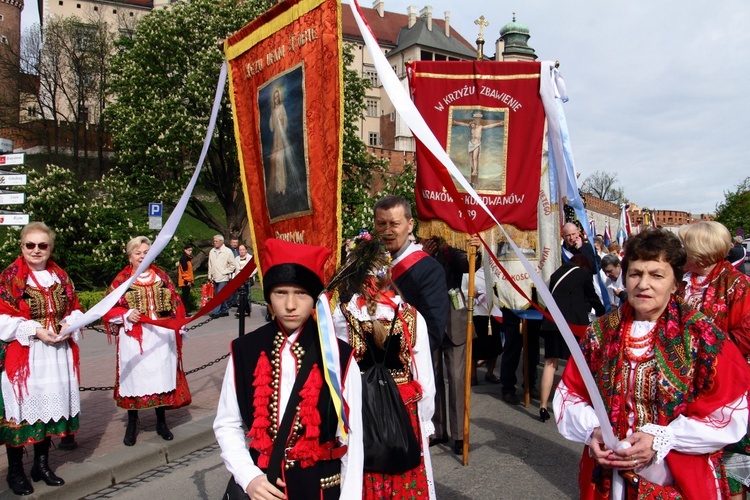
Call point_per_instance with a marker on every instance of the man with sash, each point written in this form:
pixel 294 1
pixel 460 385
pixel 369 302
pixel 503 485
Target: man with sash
pixel 274 386
pixel 418 277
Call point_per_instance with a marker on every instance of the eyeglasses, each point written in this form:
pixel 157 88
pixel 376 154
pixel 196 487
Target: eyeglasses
pixel 31 246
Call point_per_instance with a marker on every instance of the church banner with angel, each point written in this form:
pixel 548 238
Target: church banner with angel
pixel 285 75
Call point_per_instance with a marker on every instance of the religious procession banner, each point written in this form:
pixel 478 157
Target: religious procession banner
pixel 490 119
pixel 285 82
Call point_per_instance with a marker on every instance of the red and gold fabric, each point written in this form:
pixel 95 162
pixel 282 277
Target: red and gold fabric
pixel 286 81
pixel 724 296
pixel 489 118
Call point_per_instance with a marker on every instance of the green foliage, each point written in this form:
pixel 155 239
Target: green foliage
pixel 734 211
pixel 360 168
pixel 90 298
pixel 93 221
pixel 165 78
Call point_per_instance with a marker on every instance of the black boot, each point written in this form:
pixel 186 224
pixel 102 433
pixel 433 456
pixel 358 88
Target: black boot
pixel 40 470
pixel 132 430
pixel 161 425
pixel 68 443
pixel 17 480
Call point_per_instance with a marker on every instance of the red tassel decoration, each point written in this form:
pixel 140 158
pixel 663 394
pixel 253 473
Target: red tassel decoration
pixel 306 447
pixel 260 440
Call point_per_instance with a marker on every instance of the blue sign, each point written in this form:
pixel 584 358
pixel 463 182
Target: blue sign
pixel 154 209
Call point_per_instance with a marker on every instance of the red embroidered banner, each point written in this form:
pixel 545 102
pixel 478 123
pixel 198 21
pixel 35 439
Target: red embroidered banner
pixel 489 118
pixel 285 82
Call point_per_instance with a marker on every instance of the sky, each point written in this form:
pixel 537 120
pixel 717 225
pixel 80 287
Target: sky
pixel 655 87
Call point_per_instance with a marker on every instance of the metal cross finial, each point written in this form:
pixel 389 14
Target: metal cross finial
pixel 481 22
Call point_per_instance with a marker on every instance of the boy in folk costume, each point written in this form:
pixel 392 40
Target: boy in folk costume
pixel 261 384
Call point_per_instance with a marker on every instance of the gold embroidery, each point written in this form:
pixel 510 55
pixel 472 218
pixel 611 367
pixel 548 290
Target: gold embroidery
pixel 358 329
pixel 143 298
pixel 38 305
pixel 644 391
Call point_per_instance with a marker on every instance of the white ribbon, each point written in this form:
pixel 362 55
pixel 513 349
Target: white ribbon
pixel 414 120
pixel 167 232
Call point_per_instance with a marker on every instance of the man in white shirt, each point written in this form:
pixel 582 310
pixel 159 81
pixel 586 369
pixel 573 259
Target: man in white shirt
pixel 278 368
pixel 220 268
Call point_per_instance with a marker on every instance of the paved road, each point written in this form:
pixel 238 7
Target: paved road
pixel 513 456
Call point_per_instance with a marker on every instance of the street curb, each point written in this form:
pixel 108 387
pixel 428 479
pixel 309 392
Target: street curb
pixel 105 471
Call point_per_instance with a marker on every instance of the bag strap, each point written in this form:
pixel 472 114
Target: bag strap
pixel 562 278
pixel 277 452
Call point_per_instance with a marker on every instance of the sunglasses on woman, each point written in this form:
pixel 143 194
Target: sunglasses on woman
pixel 31 246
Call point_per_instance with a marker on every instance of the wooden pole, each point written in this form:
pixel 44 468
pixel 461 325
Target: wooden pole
pixel 472 254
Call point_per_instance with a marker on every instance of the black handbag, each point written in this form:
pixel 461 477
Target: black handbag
pixel 390 445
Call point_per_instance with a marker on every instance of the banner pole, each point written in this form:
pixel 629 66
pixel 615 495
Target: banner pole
pixel 469 334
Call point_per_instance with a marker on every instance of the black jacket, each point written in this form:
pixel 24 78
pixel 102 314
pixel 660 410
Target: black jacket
pixel 575 295
pixel 423 286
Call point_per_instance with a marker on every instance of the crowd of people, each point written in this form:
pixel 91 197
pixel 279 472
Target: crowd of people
pixel 670 360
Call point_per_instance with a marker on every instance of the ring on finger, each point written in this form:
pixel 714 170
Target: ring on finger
pixel 635 462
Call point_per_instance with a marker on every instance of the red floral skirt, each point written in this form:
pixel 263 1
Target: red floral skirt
pixel 411 484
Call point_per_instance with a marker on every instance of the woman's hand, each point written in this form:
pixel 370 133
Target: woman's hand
pixel 260 488
pixel 639 454
pixel 46 336
pixel 602 455
pixel 134 317
pixel 64 334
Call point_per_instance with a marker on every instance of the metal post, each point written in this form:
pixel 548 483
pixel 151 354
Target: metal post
pixel 242 298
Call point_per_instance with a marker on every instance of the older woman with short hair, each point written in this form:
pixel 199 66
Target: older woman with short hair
pixel 673 386
pixel 39 357
pixel 715 288
pixel 149 356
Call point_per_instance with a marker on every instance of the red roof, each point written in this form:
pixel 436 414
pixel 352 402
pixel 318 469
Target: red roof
pixel 139 3
pixel 386 28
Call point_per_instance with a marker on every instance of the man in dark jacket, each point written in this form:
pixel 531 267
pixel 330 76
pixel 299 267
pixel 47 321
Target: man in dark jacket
pixel 573 244
pixel 420 280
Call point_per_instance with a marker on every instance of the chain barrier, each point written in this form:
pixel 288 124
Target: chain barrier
pixel 210 363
